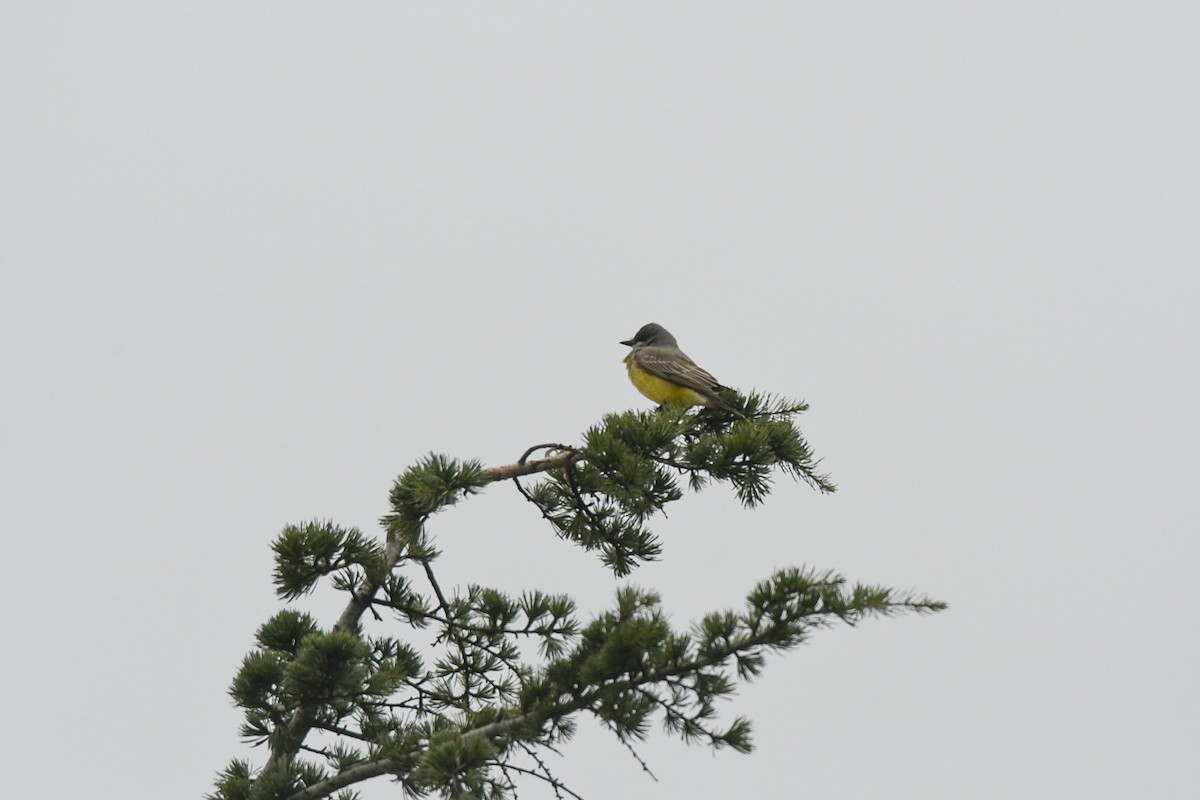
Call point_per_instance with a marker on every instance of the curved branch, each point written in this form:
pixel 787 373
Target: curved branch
pixel 355 774
pixel 565 456
pixel 362 598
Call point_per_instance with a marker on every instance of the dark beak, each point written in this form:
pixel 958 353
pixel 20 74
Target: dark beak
pixel 628 342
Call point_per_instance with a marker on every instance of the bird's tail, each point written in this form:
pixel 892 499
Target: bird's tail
pixel 715 400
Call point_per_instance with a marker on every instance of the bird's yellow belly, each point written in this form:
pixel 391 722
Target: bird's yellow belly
pixel 661 391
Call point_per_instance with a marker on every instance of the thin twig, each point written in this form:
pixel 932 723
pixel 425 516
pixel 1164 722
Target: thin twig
pixel 550 779
pixel 638 758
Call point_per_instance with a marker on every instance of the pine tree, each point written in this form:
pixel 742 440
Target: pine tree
pixel 507 677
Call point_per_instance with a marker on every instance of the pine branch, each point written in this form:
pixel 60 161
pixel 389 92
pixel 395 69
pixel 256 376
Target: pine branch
pixel 361 599
pixel 542 775
pixel 356 774
pixel 780 611
pixel 565 457
pixel 626 667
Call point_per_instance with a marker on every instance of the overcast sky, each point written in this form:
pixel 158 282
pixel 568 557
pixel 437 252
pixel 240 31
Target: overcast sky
pixel 259 257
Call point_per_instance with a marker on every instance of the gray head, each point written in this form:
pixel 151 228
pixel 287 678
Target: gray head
pixel 651 335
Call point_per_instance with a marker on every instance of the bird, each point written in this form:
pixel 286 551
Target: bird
pixel 664 373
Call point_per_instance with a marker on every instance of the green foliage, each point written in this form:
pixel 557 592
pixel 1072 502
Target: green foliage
pixel 305 553
pixel 427 487
pixel 234 782
pixel 629 663
pixel 286 630
pixel 633 462
pixel 484 681
pixel 456 762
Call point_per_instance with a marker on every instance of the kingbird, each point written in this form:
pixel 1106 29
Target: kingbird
pixel 664 373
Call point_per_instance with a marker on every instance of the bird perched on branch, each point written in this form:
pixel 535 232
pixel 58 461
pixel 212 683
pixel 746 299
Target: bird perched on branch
pixel 664 373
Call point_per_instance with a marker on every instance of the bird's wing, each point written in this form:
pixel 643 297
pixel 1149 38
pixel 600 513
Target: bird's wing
pixel 672 365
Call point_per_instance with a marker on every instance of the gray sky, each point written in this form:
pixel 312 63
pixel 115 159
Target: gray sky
pixel 257 258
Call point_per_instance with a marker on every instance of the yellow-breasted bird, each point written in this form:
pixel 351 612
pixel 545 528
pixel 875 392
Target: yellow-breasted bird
pixel 664 373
